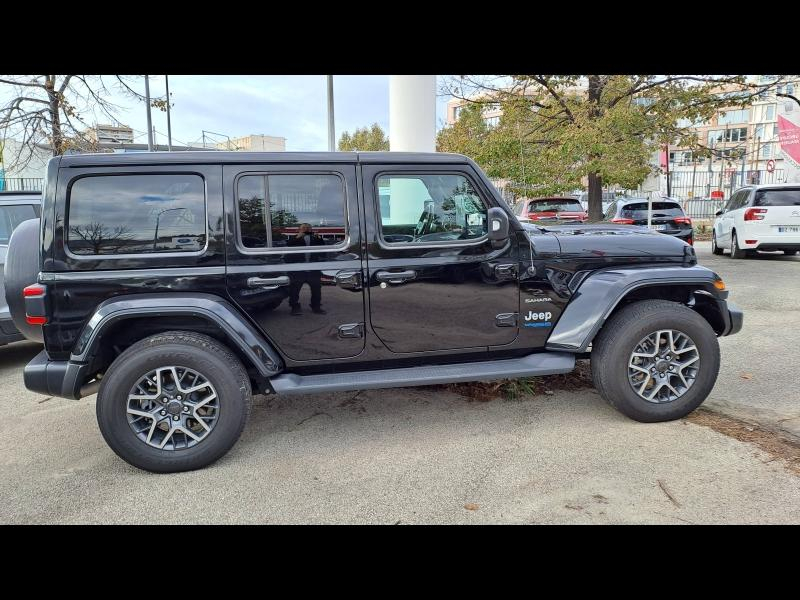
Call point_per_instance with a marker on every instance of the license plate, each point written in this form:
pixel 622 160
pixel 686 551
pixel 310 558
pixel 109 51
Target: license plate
pixel 788 229
pixel 658 227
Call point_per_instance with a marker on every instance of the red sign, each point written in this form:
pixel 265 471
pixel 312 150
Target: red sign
pixel 770 165
pixel 789 135
pixel 717 194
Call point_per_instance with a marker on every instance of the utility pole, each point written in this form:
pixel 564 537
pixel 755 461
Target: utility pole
pixel 169 123
pixel 149 118
pixel 331 128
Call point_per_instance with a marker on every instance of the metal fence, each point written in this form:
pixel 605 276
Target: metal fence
pixel 21 184
pixel 700 184
pixel 702 208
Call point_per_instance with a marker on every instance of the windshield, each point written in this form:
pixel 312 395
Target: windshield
pixel 540 206
pixel 660 209
pixel 790 197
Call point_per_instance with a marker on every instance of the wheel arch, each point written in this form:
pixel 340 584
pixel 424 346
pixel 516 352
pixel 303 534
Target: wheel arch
pixel 604 293
pixel 122 321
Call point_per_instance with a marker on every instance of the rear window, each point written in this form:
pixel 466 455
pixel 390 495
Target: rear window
pixel 538 206
pixel 11 216
pixel 783 197
pixel 639 210
pixel 137 214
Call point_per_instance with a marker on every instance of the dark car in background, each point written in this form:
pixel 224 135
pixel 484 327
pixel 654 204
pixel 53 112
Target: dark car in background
pixel 15 207
pixel 551 209
pixel 668 216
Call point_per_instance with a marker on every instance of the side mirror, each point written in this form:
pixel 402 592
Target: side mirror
pixel 498 224
pixel 719 212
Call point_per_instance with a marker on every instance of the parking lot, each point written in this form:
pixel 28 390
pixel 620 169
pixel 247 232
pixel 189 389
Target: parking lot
pixel 432 456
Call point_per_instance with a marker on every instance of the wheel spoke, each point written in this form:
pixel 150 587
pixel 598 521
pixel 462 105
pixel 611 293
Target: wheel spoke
pixel 169 408
pixel 658 358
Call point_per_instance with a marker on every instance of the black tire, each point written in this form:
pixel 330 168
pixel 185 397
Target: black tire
pixel 191 350
pixel 737 252
pixel 714 248
pixel 790 252
pixel 21 270
pixel 611 351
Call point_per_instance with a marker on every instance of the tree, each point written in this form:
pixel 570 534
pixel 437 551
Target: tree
pixel 52 110
pixel 99 237
pixel 364 139
pixel 557 130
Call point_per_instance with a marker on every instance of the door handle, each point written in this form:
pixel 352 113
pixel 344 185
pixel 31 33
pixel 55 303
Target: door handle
pixel 397 277
pixel 506 271
pixel 268 283
pixel 349 280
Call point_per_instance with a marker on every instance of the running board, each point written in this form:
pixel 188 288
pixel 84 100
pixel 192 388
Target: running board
pixel 544 363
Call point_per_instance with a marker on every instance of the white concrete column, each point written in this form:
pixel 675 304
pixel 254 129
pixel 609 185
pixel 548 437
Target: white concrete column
pixel 412 113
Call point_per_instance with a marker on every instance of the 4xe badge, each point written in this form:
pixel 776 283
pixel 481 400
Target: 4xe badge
pixel 538 319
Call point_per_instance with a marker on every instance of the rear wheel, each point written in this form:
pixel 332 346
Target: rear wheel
pixel 737 252
pixel 790 252
pixel 714 248
pixel 655 360
pixel 175 401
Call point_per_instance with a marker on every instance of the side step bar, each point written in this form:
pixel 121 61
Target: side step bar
pixel 544 363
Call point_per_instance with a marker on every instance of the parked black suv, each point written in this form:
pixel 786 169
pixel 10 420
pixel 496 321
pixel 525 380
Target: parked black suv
pixel 175 285
pixel 667 216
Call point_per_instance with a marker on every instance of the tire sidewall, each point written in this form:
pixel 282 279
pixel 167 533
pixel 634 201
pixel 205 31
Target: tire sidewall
pixel 127 370
pixel 636 407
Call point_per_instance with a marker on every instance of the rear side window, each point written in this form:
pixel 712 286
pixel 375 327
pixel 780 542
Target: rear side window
pixel 538 206
pixel 638 210
pixel 783 197
pixel 11 216
pixel 136 214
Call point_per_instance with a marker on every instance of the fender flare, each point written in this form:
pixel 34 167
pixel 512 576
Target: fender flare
pixel 206 306
pixel 600 293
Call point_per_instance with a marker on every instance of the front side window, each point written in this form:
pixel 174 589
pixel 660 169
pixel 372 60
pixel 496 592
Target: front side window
pixel 136 214
pixel 274 209
pixel 430 208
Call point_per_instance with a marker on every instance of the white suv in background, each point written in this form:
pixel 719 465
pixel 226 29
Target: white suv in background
pixel 761 217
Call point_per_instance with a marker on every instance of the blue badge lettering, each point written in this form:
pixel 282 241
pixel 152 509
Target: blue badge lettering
pixel 538 319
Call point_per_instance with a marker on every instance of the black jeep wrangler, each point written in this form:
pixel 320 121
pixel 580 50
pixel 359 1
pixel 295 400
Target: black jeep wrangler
pixel 175 285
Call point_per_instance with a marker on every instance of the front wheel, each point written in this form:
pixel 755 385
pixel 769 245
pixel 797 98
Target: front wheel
pixel 175 401
pixel 655 360
pixel 714 248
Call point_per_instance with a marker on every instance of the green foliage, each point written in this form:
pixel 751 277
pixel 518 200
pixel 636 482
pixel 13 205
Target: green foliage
pixel 364 139
pixel 555 131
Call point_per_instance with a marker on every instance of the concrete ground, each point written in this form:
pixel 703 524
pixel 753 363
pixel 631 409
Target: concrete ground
pixel 394 456
pixel 759 377
pixel 431 456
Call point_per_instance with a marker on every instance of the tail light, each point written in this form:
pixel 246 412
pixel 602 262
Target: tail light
pixel 690 241
pixel 623 221
pixel 685 220
pixel 35 310
pixel 754 214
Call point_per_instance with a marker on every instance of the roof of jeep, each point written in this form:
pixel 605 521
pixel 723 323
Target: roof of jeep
pixel 215 157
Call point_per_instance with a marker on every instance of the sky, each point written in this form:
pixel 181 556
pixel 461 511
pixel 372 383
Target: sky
pixel 289 106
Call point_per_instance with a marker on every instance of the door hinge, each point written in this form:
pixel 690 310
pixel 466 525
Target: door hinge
pixel 506 319
pixel 351 330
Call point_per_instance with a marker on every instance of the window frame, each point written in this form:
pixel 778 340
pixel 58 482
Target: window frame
pixel 443 244
pixel 172 254
pixel 288 249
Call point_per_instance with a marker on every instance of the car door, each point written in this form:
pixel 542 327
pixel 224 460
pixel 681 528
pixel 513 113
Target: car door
pixel 294 256
pixel 726 221
pixel 435 280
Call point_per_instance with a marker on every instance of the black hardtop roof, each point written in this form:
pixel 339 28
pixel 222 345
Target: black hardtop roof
pixel 215 157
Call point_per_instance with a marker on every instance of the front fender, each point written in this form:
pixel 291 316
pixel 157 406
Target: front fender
pixel 600 293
